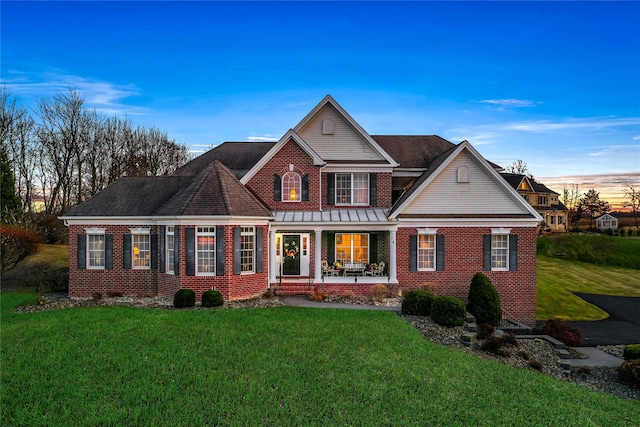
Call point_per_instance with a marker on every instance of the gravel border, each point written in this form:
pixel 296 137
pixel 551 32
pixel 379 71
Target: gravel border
pixel 603 379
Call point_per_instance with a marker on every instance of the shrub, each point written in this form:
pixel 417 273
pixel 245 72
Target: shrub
pixel 448 311
pixel 379 292
pixel 561 331
pixel 485 330
pixel 15 245
pixel 484 302
pixel 631 352
pixel 417 303
pixel 534 364
pixel 348 294
pixel 629 373
pixel 494 345
pixel 212 298
pixel 184 298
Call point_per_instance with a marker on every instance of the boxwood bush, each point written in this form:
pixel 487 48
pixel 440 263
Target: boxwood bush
pixel 448 311
pixel 212 299
pixel 631 352
pixel 417 303
pixel 184 298
pixel 484 302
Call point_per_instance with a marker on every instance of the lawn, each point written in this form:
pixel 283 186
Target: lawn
pixel 279 366
pixel 592 264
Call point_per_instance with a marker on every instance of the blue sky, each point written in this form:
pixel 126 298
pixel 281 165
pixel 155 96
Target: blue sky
pixel 554 84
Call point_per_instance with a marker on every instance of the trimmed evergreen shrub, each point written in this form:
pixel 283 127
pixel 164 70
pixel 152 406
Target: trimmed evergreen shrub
pixel 448 311
pixel 212 298
pixel 631 352
pixel 484 302
pixel 417 303
pixel 561 331
pixel 629 373
pixel 184 298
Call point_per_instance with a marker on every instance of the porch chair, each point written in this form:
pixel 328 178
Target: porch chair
pixel 377 271
pixel 328 270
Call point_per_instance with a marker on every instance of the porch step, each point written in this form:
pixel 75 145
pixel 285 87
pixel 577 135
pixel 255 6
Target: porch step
pixel 293 289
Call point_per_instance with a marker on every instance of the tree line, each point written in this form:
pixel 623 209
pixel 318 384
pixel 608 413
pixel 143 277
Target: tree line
pixel 63 153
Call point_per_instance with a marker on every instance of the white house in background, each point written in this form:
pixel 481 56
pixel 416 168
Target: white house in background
pixel 607 222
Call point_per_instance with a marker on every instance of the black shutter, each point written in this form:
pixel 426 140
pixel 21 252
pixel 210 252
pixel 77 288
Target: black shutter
pixel 373 189
pixel 277 188
pixel 126 251
pixel 331 248
pixel 440 252
pixel 176 251
pixel 486 252
pixel 161 242
pixel 108 251
pixel 513 252
pixel 259 267
pixel 82 251
pixel 237 267
pixel 373 248
pixel 413 253
pixel 190 247
pixel 219 251
pixel 331 189
pixel 305 188
pixel 154 251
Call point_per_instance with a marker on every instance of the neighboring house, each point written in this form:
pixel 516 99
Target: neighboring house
pixel 245 217
pixel 606 222
pixel 544 201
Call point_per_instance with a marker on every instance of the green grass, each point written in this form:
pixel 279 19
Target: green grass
pixel 587 263
pixel 20 277
pixel 593 249
pixel 283 366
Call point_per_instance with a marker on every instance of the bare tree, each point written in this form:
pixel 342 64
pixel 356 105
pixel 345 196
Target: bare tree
pixel 570 198
pixel 633 193
pixel 519 167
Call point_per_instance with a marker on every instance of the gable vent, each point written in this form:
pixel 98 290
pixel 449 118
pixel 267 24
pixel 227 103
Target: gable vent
pixel 463 174
pixel 327 127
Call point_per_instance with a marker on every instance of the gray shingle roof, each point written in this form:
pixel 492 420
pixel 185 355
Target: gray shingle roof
pixel 215 191
pixel 237 156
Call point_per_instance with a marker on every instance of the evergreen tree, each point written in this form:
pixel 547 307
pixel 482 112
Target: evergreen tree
pixel 10 206
pixel 593 206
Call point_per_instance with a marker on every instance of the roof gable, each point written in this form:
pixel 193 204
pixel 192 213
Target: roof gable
pixel 458 183
pixel 332 133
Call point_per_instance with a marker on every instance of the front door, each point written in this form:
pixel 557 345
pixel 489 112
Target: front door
pixel 291 255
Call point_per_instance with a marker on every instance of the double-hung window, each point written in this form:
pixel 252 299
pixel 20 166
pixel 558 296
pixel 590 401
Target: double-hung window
pixel 170 247
pixel 352 188
pixel 499 252
pixel 426 252
pixel 96 251
pixel 141 244
pixel 247 249
pixel 352 248
pixel 206 251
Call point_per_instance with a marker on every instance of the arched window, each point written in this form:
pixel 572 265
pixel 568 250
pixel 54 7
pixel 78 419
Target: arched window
pixel 291 187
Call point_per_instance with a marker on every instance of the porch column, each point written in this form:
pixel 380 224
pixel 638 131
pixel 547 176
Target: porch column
pixel 272 256
pixel 317 277
pixel 393 278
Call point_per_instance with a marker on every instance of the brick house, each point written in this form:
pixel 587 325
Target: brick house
pixel 327 207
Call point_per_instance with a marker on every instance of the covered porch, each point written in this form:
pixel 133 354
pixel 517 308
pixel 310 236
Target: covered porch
pixel 333 248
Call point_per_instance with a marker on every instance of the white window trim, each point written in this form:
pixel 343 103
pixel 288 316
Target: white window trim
pixel 253 255
pixel 169 267
pixel 352 195
pixel 96 232
pixel 215 246
pixel 427 232
pixel 506 268
pixel 335 250
pixel 133 260
pixel 298 199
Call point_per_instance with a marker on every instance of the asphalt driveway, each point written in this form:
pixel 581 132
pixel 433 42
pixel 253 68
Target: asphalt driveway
pixel 621 327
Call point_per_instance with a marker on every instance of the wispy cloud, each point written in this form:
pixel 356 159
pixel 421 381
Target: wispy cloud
pixel 265 138
pixel 105 97
pixel 636 138
pixel 509 102
pixel 584 123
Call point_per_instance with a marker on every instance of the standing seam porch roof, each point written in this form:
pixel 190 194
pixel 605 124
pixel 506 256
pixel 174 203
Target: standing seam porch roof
pixel 375 215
